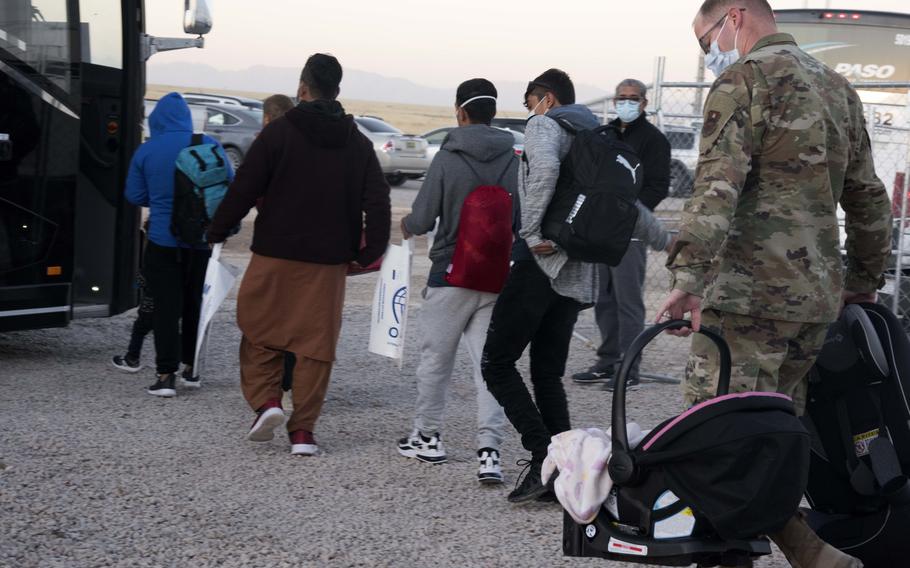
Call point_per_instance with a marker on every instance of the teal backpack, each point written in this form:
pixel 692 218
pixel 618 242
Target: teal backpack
pixel 200 184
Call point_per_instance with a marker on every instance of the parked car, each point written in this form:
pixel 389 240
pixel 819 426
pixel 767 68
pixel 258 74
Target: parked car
pixel 401 156
pixel 198 113
pixel 434 140
pixel 203 98
pixel 234 127
pixel 516 124
pixel 684 157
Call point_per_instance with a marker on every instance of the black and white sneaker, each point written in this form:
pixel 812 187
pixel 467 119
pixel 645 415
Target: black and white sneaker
pixel 125 364
pixel 490 471
pixel 188 380
pixel 164 386
pixel 632 384
pixel 594 375
pixel 420 447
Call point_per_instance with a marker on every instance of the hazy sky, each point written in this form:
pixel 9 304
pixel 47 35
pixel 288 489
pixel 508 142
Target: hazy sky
pixel 439 44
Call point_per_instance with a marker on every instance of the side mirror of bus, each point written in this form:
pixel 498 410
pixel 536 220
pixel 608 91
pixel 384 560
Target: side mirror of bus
pixel 197 18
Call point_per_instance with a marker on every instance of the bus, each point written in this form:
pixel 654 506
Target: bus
pixel 872 50
pixel 72 81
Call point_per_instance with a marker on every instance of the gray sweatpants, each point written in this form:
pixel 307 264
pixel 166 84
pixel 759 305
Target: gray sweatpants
pixel 620 308
pixel 446 315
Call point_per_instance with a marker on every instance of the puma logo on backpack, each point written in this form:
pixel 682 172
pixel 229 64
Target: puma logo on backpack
pixel 592 214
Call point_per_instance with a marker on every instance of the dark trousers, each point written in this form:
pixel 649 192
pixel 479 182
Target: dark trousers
pixel 528 311
pixel 620 308
pixel 175 277
pixel 144 321
pixel 141 327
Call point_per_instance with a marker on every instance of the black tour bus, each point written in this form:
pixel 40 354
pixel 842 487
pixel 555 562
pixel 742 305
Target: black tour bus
pixel 72 81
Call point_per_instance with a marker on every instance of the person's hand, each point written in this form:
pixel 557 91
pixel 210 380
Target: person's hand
pixel 544 249
pixel 354 266
pixel 677 305
pixel 405 233
pixel 850 297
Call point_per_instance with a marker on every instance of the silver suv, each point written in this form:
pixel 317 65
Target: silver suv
pixel 401 156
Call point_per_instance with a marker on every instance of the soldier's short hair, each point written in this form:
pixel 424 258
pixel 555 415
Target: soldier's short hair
pixel 713 9
pixel 642 88
pixel 276 105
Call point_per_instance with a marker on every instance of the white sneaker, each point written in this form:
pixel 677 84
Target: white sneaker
pixel 490 471
pixel 266 421
pixel 425 449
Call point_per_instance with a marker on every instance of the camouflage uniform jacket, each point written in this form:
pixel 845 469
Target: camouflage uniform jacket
pixel 783 142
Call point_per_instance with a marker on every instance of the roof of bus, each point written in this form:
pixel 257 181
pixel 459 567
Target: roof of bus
pixel 866 17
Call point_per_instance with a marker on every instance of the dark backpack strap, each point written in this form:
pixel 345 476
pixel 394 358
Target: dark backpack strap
pixel 505 170
pixel 196 139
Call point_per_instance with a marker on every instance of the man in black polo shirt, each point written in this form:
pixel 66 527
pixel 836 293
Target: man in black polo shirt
pixel 620 309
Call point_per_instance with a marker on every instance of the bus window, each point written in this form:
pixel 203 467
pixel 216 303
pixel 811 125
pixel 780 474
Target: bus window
pixel 37 32
pixel 102 35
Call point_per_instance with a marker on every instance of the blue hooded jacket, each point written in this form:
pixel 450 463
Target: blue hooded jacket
pixel 150 182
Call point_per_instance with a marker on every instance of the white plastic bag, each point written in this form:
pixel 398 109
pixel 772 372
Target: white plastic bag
pixel 390 302
pixel 220 277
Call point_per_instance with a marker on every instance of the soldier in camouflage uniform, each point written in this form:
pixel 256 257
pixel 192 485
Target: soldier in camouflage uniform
pixel 758 257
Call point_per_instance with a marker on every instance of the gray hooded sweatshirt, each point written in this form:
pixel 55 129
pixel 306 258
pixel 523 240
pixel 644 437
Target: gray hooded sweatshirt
pixel 546 145
pixel 450 180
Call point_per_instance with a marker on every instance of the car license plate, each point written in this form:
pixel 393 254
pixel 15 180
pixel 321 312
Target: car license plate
pixel 412 145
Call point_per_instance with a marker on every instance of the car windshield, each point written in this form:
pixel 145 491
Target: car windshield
pixel 377 126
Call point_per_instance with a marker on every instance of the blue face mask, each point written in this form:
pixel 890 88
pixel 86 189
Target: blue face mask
pixel 718 60
pixel 628 111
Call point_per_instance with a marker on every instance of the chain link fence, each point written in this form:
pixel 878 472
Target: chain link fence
pixel 676 108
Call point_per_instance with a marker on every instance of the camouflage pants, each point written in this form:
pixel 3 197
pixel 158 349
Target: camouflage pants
pixel 768 356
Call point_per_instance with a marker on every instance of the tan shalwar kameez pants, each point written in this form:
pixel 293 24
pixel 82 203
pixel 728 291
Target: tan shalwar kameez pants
pixel 288 305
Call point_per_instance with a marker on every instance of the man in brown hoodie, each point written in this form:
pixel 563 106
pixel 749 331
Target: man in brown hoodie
pixel 322 186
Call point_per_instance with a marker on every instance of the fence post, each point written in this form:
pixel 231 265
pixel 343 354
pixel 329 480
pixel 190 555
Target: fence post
pixel 899 261
pixel 659 66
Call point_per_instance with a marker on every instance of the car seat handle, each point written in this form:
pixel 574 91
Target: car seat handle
pixel 620 434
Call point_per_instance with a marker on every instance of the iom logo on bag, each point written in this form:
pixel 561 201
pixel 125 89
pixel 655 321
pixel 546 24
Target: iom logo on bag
pixel 399 307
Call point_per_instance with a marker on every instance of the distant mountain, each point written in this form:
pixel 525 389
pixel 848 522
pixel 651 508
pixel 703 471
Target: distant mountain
pixel 359 85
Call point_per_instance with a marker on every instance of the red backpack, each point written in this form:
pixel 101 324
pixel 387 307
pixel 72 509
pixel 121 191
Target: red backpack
pixel 483 247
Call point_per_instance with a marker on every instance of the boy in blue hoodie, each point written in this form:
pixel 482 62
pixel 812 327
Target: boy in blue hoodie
pixel 174 271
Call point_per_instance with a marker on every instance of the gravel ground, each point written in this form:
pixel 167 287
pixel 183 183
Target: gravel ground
pixel 94 472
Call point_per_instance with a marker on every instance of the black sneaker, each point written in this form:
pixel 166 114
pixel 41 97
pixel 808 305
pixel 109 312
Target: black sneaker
pixel 631 384
pixel 164 386
pixel 528 487
pixel 125 364
pixel 594 375
pixel 188 380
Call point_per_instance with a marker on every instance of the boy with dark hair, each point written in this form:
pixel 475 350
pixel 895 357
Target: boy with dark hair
pixel 322 186
pixel 474 154
pixel 545 291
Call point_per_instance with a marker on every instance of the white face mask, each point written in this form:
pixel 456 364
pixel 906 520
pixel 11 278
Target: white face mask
pixel 716 60
pixel 534 110
pixel 628 111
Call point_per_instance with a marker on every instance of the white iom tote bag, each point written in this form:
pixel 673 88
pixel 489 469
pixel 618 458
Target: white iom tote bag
pixel 390 302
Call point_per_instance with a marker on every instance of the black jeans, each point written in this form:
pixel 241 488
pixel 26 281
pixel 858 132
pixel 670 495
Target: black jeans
pixel 528 311
pixel 144 321
pixel 175 277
